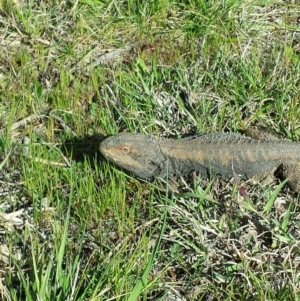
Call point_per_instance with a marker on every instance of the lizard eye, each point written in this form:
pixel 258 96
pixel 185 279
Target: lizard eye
pixel 125 149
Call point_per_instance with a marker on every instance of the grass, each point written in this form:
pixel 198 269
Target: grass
pixel 74 227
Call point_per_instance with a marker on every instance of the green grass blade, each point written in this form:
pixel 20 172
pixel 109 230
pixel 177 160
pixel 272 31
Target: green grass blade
pixel 273 197
pixel 2 164
pixel 141 283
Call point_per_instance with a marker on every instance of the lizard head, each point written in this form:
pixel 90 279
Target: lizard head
pixel 137 153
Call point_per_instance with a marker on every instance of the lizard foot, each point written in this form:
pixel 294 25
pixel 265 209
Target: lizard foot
pixel 291 172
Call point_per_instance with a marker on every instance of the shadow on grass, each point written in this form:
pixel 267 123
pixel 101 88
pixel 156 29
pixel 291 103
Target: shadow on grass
pixel 84 148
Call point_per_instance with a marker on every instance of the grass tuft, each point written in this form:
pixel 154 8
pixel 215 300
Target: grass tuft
pixel 74 227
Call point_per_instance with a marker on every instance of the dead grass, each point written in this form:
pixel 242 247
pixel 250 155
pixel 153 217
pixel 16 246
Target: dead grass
pixel 76 228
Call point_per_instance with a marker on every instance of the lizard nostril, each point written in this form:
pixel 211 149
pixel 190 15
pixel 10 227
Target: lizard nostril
pixel 149 162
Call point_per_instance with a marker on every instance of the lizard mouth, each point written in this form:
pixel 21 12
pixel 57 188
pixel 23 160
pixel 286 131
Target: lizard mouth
pixel 105 151
pixel 103 147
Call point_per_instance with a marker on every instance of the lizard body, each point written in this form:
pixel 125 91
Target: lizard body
pixel 210 154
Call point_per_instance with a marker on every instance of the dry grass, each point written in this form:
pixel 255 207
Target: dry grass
pixel 76 228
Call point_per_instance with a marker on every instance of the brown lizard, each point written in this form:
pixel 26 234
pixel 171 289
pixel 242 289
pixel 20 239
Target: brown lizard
pixel 211 154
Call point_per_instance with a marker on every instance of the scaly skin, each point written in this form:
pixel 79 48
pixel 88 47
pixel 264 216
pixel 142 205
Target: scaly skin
pixel 211 154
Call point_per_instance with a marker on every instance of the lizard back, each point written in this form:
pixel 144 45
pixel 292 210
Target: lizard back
pixel 223 153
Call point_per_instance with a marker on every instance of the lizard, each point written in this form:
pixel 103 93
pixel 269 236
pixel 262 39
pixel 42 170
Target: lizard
pixel 224 154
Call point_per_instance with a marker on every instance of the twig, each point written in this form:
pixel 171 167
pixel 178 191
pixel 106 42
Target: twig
pixel 63 124
pixel 27 120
